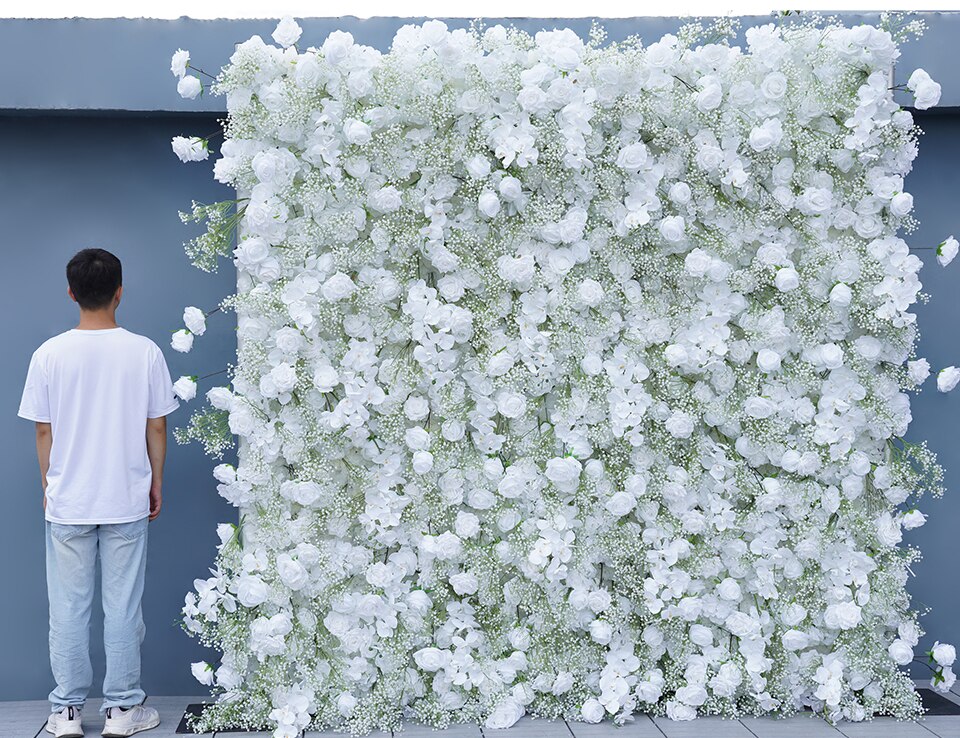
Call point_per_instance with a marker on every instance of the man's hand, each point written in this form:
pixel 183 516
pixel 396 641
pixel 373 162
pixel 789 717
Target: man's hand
pixel 44 442
pixel 156 450
pixel 156 500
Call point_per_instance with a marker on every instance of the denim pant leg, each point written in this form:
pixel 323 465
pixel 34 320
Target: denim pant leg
pixel 71 554
pixel 123 560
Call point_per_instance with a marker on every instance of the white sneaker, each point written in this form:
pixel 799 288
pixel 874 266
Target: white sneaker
pixel 65 722
pixel 120 723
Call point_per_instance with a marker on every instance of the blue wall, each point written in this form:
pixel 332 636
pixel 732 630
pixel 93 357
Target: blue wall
pixel 79 169
pixel 67 183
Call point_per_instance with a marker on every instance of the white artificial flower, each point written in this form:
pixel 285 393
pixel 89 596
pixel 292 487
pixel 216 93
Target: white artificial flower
pixel 489 203
pixel 182 340
pixel 179 62
pixel 901 652
pixel 185 388
pixel 947 250
pixel 190 149
pixel 195 320
pixel 947 378
pixel 203 672
pixel 287 32
pixel 926 92
pixel 787 279
pixel 943 653
pixel 189 87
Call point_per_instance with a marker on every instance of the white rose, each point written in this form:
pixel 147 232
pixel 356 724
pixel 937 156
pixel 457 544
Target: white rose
pixel 252 250
pixel 287 32
pixel 504 714
pixel 601 631
pixel 925 90
pixel 203 672
pixel 842 615
pixel 182 340
pixel 943 653
pixel 431 658
pixel 251 590
pixel 189 87
pixel 632 157
pixel 195 320
pixel 185 388
pixel 356 132
pixel 453 430
pixel 786 279
pixel 841 295
pixel 680 193
pixel 672 228
pixel 947 378
pixel 510 189
pixel 947 250
pixel 913 519
pixel 416 407
pixel 710 97
pixel 422 462
pixel 901 652
pixel 564 473
pixel 346 704
pixel 901 204
pixel 592 711
pixel 794 640
pixel 767 135
pixel 338 287
pixel 179 62
pixel 190 149
pixel 292 572
pixel 590 292
pixel 511 404
pixel 464 583
pixel 620 504
pixel 774 86
pixel 386 199
pixel 489 203
pixel 831 355
pixel 679 424
pixel 325 378
pixel 478 166
pixel 729 590
pixel 220 397
pixel 467 524
pixel 768 360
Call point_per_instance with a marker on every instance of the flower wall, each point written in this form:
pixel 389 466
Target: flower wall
pixel 571 378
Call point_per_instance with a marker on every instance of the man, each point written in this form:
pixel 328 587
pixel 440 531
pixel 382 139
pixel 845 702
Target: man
pixel 98 394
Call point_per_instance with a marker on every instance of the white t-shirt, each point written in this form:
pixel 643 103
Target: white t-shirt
pixel 97 388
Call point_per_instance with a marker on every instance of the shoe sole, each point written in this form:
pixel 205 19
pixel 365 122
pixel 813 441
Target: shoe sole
pixel 151 726
pixel 64 735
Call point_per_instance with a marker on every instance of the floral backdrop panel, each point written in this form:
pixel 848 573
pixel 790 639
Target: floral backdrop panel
pixel 571 377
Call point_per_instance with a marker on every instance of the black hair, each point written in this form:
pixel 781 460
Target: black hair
pixel 94 276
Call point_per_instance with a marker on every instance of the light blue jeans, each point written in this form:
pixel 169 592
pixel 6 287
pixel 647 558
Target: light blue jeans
pixel 71 566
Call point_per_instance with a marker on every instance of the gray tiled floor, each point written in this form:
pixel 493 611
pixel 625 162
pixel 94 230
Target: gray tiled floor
pixel 26 720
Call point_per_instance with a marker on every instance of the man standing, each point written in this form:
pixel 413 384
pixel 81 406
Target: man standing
pixel 98 394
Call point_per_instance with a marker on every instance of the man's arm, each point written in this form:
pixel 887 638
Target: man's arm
pixel 156 450
pixel 44 442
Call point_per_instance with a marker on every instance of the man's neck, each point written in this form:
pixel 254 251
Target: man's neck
pixel 91 320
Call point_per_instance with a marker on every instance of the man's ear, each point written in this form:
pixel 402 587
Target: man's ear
pixel 119 294
pixel 70 292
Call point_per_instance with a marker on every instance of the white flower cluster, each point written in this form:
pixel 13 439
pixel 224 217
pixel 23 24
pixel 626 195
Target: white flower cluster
pixel 571 380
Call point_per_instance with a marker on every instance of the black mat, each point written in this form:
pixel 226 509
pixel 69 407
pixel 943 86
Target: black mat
pixel 934 703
